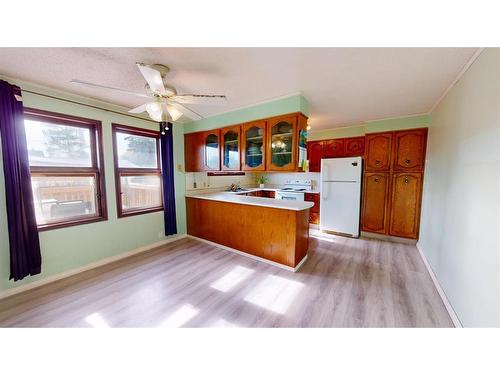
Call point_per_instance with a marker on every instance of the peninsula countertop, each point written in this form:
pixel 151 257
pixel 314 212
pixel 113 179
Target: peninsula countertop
pixel 229 197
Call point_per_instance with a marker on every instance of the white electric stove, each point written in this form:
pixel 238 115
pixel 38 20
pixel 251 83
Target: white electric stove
pixel 294 190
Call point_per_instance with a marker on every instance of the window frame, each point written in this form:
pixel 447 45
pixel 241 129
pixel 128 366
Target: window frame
pixel 96 169
pixel 120 171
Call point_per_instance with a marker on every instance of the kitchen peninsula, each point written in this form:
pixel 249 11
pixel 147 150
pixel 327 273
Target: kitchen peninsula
pixel 271 229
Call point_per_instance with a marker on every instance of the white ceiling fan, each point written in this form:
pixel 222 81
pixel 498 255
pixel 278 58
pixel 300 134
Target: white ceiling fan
pixel 166 105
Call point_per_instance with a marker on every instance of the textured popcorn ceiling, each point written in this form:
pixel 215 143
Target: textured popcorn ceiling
pixel 343 85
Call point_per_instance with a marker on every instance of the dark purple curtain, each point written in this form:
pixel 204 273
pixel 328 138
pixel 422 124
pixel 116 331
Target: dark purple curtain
pixel 167 161
pixel 25 257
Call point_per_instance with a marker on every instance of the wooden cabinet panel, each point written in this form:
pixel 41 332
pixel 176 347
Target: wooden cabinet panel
pixel 405 204
pixel 262 194
pixel 313 217
pixel 211 150
pixel 333 148
pixel 253 146
pixel 378 147
pixel 314 210
pixel 278 235
pixel 374 209
pixel 409 150
pixel 267 194
pixel 314 154
pixel 282 143
pixel 354 146
pixel 230 153
pixel 193 152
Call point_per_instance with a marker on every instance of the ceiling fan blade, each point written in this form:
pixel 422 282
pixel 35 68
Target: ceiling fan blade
pixel 90 84
pixel 185 110
pixel 139 109
pixel 201 99
pixel 153 78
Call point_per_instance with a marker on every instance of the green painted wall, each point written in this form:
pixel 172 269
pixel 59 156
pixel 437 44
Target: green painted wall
pixel 351 131
pixel 73 247
pixel 296 103
pixel 410 122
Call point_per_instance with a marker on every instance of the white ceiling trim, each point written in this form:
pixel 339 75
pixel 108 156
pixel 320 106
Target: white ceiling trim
pixel 459 76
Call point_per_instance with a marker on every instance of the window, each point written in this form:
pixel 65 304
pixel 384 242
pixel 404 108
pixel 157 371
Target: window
pixel 137 170
pixel 65 156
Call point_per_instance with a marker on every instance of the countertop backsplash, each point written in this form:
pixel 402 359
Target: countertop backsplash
pixel 204 182
pixel 279 178
pixel 218 183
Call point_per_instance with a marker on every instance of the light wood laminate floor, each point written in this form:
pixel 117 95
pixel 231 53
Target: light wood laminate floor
pixel 345 283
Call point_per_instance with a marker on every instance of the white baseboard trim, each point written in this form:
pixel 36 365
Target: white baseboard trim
pixel 288 268
pixel 442 294
pixel 99 263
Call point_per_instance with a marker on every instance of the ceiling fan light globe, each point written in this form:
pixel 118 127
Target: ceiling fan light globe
pixel 153 107
pixel 175 114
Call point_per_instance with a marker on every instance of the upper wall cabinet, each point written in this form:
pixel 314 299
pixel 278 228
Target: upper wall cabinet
pixel 194 152
pixel 314 154
pixel 211 153
pixel 378 148
pixel 282 143
pixel 409 150
pixel 253 146
pixel 333 148
pixel 230 137
pixel 266 145
pixel 354 146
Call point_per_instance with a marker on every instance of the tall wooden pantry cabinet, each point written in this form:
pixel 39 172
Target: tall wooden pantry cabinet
pixel 392 182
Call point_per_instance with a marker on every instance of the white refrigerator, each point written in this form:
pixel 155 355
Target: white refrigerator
pixel 341 195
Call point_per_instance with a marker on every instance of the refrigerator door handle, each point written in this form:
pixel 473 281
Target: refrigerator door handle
pixel 324 194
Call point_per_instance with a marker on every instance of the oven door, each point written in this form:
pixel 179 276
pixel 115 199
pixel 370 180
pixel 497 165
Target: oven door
pixel 290 196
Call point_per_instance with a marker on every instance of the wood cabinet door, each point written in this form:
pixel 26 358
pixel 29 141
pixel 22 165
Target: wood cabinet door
pixel 314 154
pixel 211 150
pixel 230 152
pixel 405 205
pixel 378 147
pixel 354 146
pixel 314 217
pixel 253 146
pixel 193 152
pixel 314 210
pixel 333 148
pixel 282 147
pixel 409 150
pixel 374 204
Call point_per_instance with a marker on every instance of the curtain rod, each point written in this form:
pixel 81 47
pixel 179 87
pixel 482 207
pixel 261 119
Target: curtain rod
pixel 86 105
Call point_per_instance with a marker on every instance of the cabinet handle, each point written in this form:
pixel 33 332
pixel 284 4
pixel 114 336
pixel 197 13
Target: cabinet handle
pixel 376 179
pixel 377 162
pixel 407 161
pixel 406 180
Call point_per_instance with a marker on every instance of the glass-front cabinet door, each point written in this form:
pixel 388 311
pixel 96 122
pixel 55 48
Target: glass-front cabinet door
pixel 211 150
pixel 282 143
pixel 254 149
pixel 231 148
